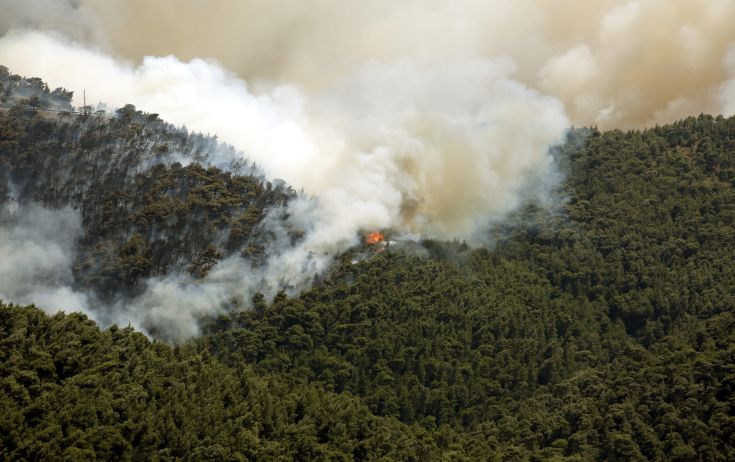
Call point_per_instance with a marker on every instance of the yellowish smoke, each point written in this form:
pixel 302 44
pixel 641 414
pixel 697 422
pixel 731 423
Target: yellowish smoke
pixel 613 63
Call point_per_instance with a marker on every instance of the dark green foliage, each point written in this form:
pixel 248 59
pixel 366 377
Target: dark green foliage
pixel 604 330
pixel 567 338
pixel 70 391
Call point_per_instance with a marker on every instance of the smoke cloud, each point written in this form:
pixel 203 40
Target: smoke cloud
pixel 727 90
pixel 65 16
pixel 613 63
pixel 422 149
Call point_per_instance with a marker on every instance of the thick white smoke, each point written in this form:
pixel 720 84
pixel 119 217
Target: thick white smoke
pixel 36 257
pixel 613 63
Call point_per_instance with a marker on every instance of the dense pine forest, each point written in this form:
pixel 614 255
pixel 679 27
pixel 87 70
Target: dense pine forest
pixel 600 330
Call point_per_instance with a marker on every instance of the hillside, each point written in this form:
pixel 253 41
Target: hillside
pixel 154 199
pixel 601 331
pixel 605 332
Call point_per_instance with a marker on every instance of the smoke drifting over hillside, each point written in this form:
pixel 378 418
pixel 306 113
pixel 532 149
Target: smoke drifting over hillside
pixel 441 152
pixel 427 149
pixel 433 118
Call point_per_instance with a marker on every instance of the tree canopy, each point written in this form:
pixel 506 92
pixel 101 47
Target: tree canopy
pixel 600 330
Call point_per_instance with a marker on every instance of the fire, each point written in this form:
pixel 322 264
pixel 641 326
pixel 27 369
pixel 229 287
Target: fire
pixel 375 238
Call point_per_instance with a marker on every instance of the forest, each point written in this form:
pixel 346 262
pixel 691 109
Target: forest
pixel 604 330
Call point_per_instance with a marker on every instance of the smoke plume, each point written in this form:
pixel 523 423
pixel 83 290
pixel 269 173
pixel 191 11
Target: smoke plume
pixel 727 90
pixel 432 150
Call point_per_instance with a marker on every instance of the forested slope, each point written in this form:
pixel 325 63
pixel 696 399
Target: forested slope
pixel 602 330
pixel 154 198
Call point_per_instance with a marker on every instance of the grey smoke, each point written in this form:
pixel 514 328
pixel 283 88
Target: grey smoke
pixel 36 257
pixel 67 17
pixel 38 248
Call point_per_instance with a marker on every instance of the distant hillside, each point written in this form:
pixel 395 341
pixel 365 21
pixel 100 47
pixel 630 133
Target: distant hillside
pixel 603 331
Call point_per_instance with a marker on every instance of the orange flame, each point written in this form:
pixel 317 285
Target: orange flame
pixel 375 238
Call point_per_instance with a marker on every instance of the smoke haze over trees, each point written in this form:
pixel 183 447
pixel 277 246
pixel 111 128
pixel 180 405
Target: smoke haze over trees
pixel 119 200
pixel 394 107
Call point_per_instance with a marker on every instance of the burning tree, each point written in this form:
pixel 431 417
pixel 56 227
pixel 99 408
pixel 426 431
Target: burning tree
pixel 375 238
